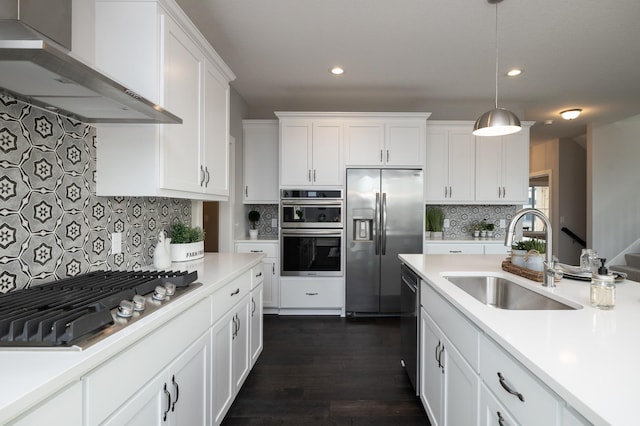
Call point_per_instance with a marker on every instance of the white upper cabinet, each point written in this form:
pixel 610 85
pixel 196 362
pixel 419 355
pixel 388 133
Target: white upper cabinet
pixel 502 168
pixel 153 48
pixel 391 140
pixel 450 163
pixel 260 162
pixel 310 150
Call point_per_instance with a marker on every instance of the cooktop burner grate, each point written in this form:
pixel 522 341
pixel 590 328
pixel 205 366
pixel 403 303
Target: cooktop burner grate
pixel 60 313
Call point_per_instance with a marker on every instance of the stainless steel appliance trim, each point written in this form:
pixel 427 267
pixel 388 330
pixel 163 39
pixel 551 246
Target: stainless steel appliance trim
pixel 314 202
pixel 314 233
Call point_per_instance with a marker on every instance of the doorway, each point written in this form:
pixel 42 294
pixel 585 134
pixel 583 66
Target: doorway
pixel 210 223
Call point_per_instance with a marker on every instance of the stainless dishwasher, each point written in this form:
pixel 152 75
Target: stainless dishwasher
pixel 410 325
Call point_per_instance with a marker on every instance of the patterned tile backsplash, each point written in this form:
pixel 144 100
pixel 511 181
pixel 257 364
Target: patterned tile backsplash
pixel 52 225
pixel 267 213
pixel 462 217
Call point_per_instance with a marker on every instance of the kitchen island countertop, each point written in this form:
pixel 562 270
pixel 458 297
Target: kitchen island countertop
pixel 589 357
pixel 31 376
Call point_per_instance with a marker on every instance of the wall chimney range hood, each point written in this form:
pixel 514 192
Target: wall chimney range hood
pixel 40 70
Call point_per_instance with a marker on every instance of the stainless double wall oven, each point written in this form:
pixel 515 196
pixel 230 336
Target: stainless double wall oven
pixel 311 233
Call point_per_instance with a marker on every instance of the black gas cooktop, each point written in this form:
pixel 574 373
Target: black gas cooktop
pixel 72 312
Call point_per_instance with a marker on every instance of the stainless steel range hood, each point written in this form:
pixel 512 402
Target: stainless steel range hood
pixel 39 69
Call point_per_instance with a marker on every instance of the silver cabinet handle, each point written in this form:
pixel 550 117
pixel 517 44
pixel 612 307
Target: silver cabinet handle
pixel 450 192
pixel 166 392
pixel 506 387
pixel 201 175
pixel 309 175
pixel 273 268
pixel 311 294
pixel 206 169
pixel 253 307
pixel 256 251
pixel 314 175
pixel 246 191
pixel 455 251
pixel 436 353
pixel 381 156
pixel 235 292
pixel 387 156
pixel 177 388
pixel 440 360
pixel 445 192
pixel 259 274
pixel 500 418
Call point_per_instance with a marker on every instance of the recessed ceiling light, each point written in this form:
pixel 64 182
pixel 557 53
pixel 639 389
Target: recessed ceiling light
pixel 571 114
pixel 337 70
pixel 514 72
pixel 548 122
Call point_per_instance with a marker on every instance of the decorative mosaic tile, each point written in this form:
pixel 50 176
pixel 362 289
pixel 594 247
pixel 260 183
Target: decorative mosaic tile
pixel 267 212
pixel 462 217
pixel 52 225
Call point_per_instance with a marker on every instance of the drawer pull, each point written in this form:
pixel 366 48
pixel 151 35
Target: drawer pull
pixel 259 275
pixel 500 418
pixel 455 251
pixel 166 392
pixel 235 292
pixel 506 387
pixel 177 388
pixel 256 251
pixel 311 294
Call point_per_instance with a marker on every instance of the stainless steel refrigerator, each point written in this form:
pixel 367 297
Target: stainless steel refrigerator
pixel 385 216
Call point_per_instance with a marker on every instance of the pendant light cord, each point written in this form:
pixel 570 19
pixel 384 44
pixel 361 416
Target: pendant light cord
pixel 497 54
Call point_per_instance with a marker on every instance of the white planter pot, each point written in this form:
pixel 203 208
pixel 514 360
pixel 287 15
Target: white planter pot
pixel 535 261
pixel 518 258
pixel 253 234
pixel 437 235
pixel 188 251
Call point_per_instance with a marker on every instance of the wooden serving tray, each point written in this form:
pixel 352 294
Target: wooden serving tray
pixel 523 272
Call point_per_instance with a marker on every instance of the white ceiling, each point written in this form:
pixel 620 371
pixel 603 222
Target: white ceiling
pixel 433 56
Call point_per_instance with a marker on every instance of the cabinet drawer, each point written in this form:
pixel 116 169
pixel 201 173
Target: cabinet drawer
pixel 464 335
pixel 110 385
pixel 270 250
pixel 491 411
pixel 538 404
pixel 257 275
pixel 311 293
pixel 453 248
pixel 230 294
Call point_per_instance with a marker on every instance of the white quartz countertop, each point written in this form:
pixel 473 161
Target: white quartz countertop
pixel 469 241
pixel 588 356
pixel 31 376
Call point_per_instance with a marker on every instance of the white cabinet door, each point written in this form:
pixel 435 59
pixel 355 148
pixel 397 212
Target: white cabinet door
pixel 460 387
pixel 180 148
pixel 256 323
pixel 223 333
pixel 178 395
pixel 271 288
pixel 215 139
pixel 327 154
pixel 260 162
pixel 430 369
pixel 450 164
pixel 502 168
pixel 310 153
pixel 405 143
pixel 230 357
pixel 295 153
pixel 364 142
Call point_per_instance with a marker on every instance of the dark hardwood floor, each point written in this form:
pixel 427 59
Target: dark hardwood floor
pixel 328 371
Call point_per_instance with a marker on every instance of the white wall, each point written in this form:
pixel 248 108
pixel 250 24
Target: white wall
pixel 613 177
pixel 572 202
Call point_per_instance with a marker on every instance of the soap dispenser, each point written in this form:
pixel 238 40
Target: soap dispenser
pixel 603 288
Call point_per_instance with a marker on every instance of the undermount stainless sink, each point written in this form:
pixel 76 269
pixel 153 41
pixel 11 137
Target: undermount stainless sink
pixel 505 294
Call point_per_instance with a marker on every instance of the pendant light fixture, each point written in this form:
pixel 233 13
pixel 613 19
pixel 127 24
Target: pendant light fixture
pixel 498 121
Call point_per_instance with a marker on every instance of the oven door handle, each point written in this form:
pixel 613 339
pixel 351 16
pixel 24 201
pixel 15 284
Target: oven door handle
pixel 322 232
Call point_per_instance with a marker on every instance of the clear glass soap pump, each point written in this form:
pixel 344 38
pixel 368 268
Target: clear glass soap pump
pixel 603 288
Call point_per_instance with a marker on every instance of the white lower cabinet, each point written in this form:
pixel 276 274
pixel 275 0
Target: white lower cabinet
pixel 311 293
pixel 448 385
pixel 176 396
pixel 257 321
pixel 466 378
pixel 270 270
pixel 230 357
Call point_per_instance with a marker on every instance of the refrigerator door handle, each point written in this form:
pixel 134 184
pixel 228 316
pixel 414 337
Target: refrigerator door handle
pixel 376 225
pixel 383 224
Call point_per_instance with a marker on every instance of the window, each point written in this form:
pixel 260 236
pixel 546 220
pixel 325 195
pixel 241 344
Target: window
pixel 539 198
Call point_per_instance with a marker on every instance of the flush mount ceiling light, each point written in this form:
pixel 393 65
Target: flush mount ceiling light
pixel 498 121
pixel 337 70
pixel 514 72
pixel 571 114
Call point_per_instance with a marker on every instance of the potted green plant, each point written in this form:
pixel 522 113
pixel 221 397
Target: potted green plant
pixel 187 242
pixel 534 258
pixel 436 222
pixel 489 227
pixel 254 218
